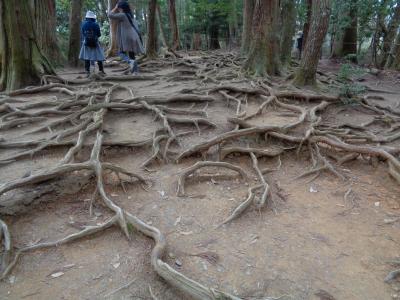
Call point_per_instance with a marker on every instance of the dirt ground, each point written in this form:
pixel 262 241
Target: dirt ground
pixel 310 242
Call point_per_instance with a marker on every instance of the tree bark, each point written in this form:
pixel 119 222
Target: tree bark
pixel 151 30
pixel 307 23
pixel 21 60
pixel 248 11
pixel 288 22
pixel 394 59
pixel 44 16
pixel 306 74
pixel 380 28
pixel 75 32
pixel 263 57
pixel 196 45
pixel 350 36
pixel 174 25
pixel 233 25
pixel 390 34
pixel 113 47
pixel 162 33
pixel 214 32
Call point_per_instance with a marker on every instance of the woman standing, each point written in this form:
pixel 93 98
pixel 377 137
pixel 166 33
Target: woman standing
pixel 128 34
pixel 91 50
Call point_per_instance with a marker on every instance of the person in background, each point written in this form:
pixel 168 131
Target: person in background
pixel 91 50
pixel 300 43
pixel 128 35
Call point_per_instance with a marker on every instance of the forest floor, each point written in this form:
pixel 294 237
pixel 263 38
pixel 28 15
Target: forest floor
pixel 317 237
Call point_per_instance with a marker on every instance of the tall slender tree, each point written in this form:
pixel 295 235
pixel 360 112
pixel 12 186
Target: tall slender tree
pixel 288 27
pixel 113 48
pixel 214 30
pixel 21 60
pixel 389 34
pixel 345 33
pixel 379 30
pixel 394 58
pixel 75 32
pixel 174 25
pixel 151 30
pixel 350 35
pixel 233 24
pixel 263 57
pixel 248 11
pixel 306 74
pixel 161 28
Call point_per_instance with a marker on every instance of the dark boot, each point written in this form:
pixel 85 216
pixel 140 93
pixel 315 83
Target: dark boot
pixel 101 68
pixel 87 68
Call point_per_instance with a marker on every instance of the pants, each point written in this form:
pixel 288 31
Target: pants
pixel 125 57
pixel 88 62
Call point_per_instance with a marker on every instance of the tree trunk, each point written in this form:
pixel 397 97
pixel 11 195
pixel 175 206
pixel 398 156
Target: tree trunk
pixel 196 41
pixel 288 22
pixel 75 32
pixel 350 36
pixel 162 33
pixel 380 28
pixel 151 30
pixel 394 59
pixel 21 60
pixel 263 57
pixel 174 25
pixel 214 32
pixel 103 7
pixel 233 25
pixel 307 23
pixel 390 34
pixel 248 10
pixel 44 16
pixel 306 74
pixel 113 47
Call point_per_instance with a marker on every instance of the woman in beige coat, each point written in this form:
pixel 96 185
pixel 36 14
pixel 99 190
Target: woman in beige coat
pixel 128 35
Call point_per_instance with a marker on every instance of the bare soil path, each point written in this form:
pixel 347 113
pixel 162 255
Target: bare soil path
pixel 333 234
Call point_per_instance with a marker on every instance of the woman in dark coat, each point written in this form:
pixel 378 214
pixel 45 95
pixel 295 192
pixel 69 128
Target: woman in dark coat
pixel 91 50
pixel 128 34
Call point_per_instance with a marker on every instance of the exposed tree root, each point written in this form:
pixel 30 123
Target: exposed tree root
pixel 203 164
pixel 266 189
pixel 81 116
pixel 272 152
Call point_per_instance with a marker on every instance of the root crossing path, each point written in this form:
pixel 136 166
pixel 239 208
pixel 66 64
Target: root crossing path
pixel 236 187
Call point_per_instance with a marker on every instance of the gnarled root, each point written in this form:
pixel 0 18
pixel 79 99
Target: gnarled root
pixel 203 164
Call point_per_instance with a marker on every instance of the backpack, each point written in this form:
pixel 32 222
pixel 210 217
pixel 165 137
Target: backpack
pixel 90 38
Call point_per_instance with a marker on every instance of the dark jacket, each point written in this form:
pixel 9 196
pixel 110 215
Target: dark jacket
pixel 91 51
pixel 90 25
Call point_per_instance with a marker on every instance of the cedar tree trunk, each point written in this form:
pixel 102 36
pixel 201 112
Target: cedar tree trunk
pixel 44 16
pixel 288 21
pixel 113 47
pixel 306 74
pixel 248 11
pixel 75 32
pixel 151 27
pixel 263 57
pixel 21 60
pixel 390 35
pixel 174 25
